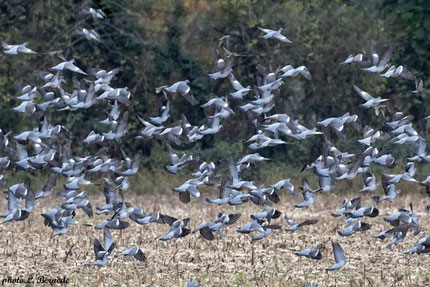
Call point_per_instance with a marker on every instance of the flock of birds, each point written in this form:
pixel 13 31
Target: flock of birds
pixel 42 149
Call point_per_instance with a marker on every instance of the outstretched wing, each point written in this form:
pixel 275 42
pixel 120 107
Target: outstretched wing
pixel 308 222
pixel 265 30
pixel 338 252
pixel 366 96
pixel 97 247
pixel 373 54
pixel 387 57
pixel 109 192
pixel 190 98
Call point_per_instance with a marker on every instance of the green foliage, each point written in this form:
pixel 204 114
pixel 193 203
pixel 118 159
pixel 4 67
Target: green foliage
pixel 408 25
pixel 161 42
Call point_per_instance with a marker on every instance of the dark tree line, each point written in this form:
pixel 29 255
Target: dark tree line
pixel 161 42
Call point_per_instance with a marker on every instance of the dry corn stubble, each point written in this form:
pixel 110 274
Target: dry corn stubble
pixel 27 249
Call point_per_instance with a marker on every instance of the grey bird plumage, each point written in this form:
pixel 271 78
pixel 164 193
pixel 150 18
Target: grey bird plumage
pixel 178 228
pixel 68 65
pixel 103 253
pixel 296 226
pixel 16 49
pixel 180 87
pixel 370 101
pixel 311 253
pixel 422 246
pixel 353 226
pixel 95 13
pixel 48 187
pixel 379 65
pixel 90 35
pixel 134 252
pixel 339 257
pixel 274 34
pixel 192 283
pixel 309 195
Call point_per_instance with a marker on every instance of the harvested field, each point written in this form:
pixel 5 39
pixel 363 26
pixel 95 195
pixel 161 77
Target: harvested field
pixel 27 249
